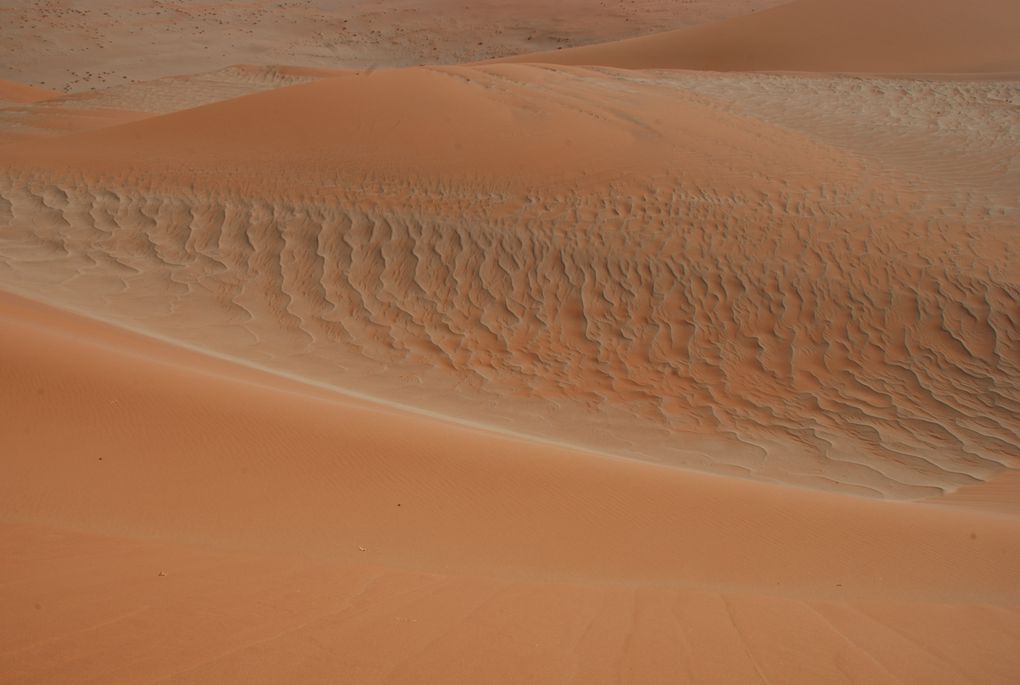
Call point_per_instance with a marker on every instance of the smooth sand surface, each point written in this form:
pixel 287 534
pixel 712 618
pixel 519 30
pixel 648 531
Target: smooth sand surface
pixel 55 114
pixel 14 92
pixel 610 370
pixel 299 533
pixel 863 36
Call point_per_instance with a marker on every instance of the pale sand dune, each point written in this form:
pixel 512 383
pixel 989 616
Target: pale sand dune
pixel 504 561
pixel 651 265
pixel 865 36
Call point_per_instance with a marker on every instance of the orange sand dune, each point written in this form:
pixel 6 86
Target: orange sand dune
pixel 62 114
pixel 643 362
pixel 863 36
pixel 299 533
pixel 502 123
pixel 677 270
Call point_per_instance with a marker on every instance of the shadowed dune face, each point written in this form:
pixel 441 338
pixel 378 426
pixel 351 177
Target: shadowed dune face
pixel 865 36
pixel 798 295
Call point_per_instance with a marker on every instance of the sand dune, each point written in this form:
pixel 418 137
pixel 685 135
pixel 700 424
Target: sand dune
pixel 58 115
pixel 590 368
pixel 510 275
pixel 498 549
pixel 112 42
pixel 863 36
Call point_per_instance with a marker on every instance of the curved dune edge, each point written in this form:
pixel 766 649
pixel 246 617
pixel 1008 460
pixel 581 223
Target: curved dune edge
pixel 62 114
pixel 864 36
pixel 603 258
pixel 294 500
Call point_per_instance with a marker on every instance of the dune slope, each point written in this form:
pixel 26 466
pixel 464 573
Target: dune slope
pixel 658 267
pixel 273 519
pixel 60 114
pixel 688 358
pixel 864 36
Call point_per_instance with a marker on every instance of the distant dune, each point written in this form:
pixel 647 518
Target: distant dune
pixel 644 362
pixel 60 114
pixel 105 43
pixel 858 36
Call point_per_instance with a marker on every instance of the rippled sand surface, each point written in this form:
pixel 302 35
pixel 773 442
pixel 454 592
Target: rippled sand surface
pixel 627 363
pixel 821 295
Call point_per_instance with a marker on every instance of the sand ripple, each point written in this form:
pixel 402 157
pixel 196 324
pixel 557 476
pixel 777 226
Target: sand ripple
pixel 828 333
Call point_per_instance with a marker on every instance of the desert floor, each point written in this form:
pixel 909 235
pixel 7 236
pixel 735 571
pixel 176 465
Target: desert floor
pixel 510 342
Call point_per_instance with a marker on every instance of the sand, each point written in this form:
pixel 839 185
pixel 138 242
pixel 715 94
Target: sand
pixel 866 36
pixel 56 114
pixel 101 43
pixel 302 536
pixel 708 263
pixel 597 366
pixel 12 92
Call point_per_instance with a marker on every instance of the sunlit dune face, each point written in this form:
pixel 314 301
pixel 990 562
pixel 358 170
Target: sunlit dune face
pixel 510 342
pixel 798 295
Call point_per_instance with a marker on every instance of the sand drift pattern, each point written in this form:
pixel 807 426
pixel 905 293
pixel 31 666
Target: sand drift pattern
pixel 822 295
pixel 656 329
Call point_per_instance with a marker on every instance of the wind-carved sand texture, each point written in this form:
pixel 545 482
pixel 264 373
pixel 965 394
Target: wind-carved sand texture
pixel 828 301
pixel 688 358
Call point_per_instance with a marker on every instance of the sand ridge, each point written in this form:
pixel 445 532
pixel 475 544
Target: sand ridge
pixel 594 370
pixel 60 115
pixel 704 299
